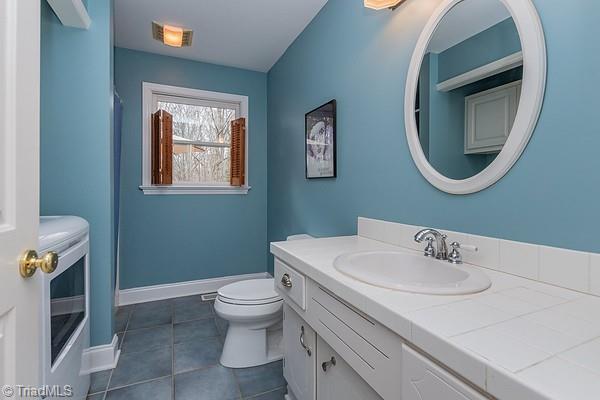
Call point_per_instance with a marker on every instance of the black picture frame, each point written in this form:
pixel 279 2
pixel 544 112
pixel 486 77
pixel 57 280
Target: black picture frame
pixel 320 158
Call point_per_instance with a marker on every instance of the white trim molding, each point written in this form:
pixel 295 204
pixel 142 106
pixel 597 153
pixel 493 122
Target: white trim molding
pixel 100 358
pixel 180 289
pixel 71 13
pixel 485 71
pixel 185 189
pixel 533 46
pixel 149 92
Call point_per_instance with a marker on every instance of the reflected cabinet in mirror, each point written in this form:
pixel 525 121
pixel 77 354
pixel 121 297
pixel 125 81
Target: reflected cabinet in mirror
pixel 474 91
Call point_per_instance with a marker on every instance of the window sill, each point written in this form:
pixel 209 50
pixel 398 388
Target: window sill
pixel 182 189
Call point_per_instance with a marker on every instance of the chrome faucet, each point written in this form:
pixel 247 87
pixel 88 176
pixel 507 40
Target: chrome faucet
pixel 441 253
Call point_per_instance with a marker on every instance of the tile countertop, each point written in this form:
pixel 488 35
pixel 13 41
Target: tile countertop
pixel 518 340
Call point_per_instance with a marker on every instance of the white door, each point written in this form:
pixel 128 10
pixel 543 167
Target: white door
pixel 19 190
pixel 299 351
pixel 336 380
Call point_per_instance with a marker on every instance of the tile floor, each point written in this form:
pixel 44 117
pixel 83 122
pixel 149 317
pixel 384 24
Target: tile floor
pixel 170 349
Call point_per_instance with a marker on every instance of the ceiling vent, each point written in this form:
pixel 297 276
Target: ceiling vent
pixel 173 36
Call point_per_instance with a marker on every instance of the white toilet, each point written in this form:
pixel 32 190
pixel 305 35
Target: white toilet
pixel 254 312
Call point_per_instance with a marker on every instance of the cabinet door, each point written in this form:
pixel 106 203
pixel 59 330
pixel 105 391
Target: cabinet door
pixel 489 118
pixel 424 380
pixel 336 380
pixel 299 344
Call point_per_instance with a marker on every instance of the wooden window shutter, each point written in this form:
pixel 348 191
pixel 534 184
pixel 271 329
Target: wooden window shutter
pixel 162 148
pixel 238 152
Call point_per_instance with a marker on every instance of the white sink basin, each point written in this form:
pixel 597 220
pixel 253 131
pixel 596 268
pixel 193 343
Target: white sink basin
pixel 411 273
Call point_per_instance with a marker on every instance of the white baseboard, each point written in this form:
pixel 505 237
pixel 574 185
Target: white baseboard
pixel 100 358
pixel 173 290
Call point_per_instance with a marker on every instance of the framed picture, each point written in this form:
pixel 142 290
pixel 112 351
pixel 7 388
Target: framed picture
pixel 320 145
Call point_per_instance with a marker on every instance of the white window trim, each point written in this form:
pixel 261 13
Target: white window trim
pixel 149 90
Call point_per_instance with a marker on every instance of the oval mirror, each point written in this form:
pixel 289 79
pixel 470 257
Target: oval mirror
pixel 474 91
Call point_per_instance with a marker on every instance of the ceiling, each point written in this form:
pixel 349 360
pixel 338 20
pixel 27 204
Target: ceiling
pixel 465 20
pixel 250 34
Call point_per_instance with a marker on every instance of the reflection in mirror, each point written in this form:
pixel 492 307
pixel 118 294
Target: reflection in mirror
pixel 469 88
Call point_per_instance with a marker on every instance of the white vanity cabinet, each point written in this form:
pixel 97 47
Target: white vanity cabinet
pixel 424 380
pixel 299 352
pixel 335 351
pixel 313 370
pixel 336 380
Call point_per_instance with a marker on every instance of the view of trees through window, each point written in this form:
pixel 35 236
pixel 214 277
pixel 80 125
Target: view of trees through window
pixel 201 142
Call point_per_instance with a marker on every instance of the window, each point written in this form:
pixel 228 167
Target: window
pixel 199 150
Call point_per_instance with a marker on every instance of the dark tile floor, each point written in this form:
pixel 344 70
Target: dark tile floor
pixel 170 349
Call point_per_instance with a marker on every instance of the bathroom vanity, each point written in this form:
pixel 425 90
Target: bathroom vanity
pixel 334 350
pixel 346 339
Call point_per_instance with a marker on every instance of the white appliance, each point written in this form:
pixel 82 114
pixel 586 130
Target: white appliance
pixel 66 304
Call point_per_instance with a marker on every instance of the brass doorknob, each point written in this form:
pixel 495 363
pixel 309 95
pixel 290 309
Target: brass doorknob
pixel 30 262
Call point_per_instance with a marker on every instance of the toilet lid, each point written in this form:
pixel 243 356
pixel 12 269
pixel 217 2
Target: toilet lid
pixel 253 291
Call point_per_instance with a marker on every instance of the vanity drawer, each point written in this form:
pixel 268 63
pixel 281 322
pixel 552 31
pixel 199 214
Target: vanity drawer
pixel 368 347
pixel 290 283
pixel 361 324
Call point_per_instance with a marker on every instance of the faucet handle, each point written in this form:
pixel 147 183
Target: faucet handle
pixel 429 250
pixel 455 257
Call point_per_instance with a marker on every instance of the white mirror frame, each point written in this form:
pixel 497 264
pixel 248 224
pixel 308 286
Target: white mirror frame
pixel 533 45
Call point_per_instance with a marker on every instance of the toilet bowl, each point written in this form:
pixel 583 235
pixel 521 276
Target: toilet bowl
pixel 254 312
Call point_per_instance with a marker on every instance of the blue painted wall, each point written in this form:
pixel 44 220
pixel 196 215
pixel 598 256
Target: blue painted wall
pixel 360 57
pixel 166 239
pixel 76 142
pixel 496 42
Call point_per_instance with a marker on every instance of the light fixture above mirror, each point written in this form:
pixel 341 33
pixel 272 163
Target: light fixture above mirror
pixel 173 36
pixel 382 4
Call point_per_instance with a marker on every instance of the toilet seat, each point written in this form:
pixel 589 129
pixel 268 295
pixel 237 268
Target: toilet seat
pixel 250 292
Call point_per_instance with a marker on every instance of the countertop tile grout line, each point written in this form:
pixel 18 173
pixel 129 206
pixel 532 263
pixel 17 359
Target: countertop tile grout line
pixel 512 318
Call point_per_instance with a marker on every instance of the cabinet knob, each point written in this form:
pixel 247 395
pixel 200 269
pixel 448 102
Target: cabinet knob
pixel 327 364
pixel 286 281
